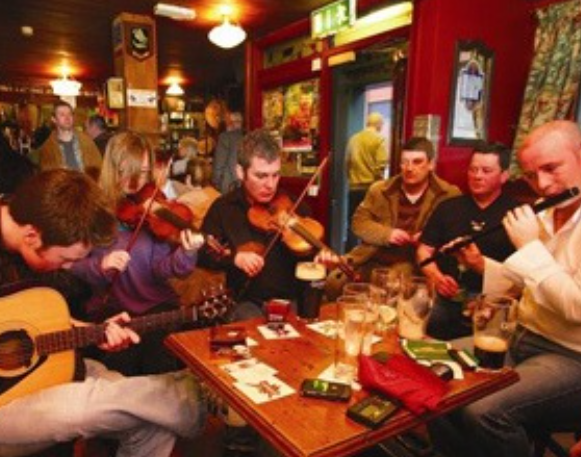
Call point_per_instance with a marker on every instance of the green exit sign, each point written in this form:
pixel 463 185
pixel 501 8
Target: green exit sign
pixel 331 18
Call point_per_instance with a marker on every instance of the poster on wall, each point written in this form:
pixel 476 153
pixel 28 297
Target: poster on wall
pixel 142 98
pixel 291 114
pixel 470 94
pixel 115 93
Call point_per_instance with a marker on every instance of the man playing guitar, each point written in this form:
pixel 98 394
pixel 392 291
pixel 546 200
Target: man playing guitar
pixel 53 220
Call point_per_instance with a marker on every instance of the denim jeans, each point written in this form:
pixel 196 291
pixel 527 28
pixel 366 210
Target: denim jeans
pixel 145 413
pixel 547 394
pixel 447 320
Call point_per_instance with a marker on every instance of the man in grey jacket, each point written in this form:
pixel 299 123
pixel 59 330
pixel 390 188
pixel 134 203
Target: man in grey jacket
pixel 226 155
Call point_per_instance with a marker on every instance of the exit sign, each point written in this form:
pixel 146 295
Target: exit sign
pixel 331 18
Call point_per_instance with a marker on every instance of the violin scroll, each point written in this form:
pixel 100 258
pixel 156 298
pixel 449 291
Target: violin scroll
pixel 166 218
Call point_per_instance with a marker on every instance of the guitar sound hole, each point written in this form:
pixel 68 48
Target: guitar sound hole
pixel 16 350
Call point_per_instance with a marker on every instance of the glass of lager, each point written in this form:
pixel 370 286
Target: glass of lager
pixel 349 338
pixel 374 298
pixel 494 321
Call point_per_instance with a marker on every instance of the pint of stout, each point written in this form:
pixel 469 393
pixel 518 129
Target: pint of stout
pixel 490 351
pixel 311 278
pixel 494 320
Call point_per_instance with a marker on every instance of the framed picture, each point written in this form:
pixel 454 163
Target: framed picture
pixel 470 94
pixel 115 93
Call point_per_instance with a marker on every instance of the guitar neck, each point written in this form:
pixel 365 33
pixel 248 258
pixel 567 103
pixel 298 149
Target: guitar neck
pixel 80 337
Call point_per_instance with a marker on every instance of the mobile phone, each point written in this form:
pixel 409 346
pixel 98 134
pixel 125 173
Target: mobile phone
pixel 372 411
pixel 319 388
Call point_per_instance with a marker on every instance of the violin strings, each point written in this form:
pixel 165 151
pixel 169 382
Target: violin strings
pixel 296 204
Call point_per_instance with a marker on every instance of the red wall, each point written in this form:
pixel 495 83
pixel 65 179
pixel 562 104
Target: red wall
pixel 505 26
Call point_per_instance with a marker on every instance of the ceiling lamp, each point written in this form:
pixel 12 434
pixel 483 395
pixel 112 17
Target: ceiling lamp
pixel 179 13
pixel 227 35
pixel 174 89
pixel 65 87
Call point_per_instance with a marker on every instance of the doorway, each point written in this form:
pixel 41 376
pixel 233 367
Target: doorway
pixel 373 82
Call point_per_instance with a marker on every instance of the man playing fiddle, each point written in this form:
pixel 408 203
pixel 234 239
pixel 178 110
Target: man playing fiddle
pixel 251 275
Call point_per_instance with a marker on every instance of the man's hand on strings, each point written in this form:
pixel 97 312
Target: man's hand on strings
pixel 327 258
pixel 191 242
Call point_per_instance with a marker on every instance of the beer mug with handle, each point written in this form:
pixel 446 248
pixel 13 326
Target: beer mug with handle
pixel 494 318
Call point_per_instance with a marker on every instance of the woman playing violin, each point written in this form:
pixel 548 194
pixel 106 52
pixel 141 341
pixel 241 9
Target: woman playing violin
pixel 253 276
pixel 136 281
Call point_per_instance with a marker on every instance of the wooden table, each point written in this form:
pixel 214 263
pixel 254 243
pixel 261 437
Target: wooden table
pixel 303 427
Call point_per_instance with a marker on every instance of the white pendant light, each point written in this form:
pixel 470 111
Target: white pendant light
pixel 174 89
pixel 227 35
pixel 65 87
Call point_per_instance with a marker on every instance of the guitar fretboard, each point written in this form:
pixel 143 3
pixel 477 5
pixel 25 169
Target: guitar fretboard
pixel 79 337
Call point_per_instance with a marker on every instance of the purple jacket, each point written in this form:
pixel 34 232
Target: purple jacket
pixel 143 285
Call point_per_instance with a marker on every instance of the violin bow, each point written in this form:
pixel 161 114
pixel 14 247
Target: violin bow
pixel 296 204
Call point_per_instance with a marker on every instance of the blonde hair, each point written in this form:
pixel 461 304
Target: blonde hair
pixel 123 158
pixel 190 145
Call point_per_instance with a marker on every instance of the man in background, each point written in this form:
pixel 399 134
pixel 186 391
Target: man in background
pixel 96 128
pixel 68 148
pixel 225 158
pixel 366 161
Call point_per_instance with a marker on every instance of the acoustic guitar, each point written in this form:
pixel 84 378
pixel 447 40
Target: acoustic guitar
pixel 37 340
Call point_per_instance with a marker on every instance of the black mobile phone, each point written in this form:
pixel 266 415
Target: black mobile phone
pixel 372 411
pixel 319 388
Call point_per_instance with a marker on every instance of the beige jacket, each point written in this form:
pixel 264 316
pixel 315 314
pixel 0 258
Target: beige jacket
pixel 375 217
pixel 49 155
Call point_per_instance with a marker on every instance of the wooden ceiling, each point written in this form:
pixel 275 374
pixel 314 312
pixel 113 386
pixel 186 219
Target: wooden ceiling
pixel 78 33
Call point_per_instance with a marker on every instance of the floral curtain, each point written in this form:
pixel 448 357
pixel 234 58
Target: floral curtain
pixel 553 83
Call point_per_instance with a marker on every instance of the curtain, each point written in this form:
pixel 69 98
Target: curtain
pixel 553 83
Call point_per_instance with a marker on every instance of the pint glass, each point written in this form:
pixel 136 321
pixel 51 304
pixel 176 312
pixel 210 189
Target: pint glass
pixel 494 321
pixel 351 315
pixel 414 307
pixel 311 277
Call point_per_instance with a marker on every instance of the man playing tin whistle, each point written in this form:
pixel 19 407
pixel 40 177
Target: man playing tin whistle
pixel 546 346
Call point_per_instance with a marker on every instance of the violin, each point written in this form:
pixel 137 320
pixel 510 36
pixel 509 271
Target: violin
pixel 275 217
pixel 166 219
pixel 300 234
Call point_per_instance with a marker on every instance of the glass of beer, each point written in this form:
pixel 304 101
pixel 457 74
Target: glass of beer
pixel 311 277
pixel 414 307
pixel 390 281
pixel 374 298
pixel 351 329
pixel 494 319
